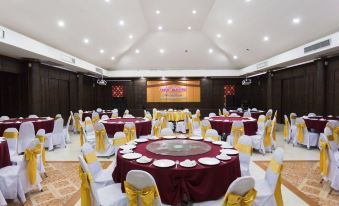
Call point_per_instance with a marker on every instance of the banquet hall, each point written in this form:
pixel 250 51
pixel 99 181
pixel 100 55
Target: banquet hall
pixel 169 102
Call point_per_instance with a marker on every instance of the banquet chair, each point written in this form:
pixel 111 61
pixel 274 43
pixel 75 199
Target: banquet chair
pixel 26 135
pixel 212 114
pixel 311 115
pixel 205 125
pixel 166 132
pixel 130 131
pixel 115 113
pixel 269 114
pixel 225 113
pixel 102 145
pixel 33 116
pixel 118 140
pixel 261 124
pixel 148 116
pixel 100 176
pixel 287 129
pixel 240 189
pixel 2 200
pixel 239 109
pixel 247 114
pixel 57 116
pixel 219 113
pixel 234 115
pixel 98 194
pixel 89 132
pixel 180 126
pixel 104 117
pixel 41 158
pixel 57 136
pixel 126 112
pixel 3 118
pixel 254 109
pixel 156 127
pixel 303 136
pixel 196 120
pixel 263 142
pixel 269 188
pixel 11 185
pixel 331 132
pixel 274 130
pixel 11 135
pixel 293 117
pixel 244 147
pixel 237 131
pixel 76 122
pixel 66 130
pixel 95 117
pixel 99 110
pixel 212 134
pixel 81 113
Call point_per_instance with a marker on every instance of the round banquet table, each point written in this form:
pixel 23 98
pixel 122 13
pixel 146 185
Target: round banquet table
pixel 199 183
pixel 5 159
pixel 254 114
pixel 224 124
pixel 143 127
pixel 39 123
pixel 318 123
pixel 89 114
pixel 173 116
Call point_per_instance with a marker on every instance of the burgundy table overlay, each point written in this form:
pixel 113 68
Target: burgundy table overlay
pixel 222 126
pixel 318 123
pixel 5 159
pixel 143 127
pixel 89 114
pixel 39 123
pixel 255 114
pixel 200 183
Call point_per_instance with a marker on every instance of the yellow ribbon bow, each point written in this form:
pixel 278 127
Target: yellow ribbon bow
pixel 41 139
pixel 274 132
pixel 244 148
pixel 237 132
pixel 276 167
pixel 267 138
pixel 81 136
pixel 10 135
pixel 268 117
pixel 147 195
pixel 286 126
pixel 300 132
pixel 324 160
pixel 119 141
pixel 95 119
pixel 220 114
pixel 130 133
pixel 190 128
pixel 100 136
pixel 77 123
pixel 214 138
pixel 86 178
pixel 204 129
pixel 156 130
pixel 30 156
pixel 334 136
pixel 232 199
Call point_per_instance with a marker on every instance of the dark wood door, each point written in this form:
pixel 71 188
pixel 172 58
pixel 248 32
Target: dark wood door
pixel 63 98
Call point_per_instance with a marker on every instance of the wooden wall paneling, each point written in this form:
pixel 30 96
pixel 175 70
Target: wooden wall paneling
pixel 332 87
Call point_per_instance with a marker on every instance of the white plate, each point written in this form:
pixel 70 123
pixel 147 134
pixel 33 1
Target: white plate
pixel 223 157
pixel 124 151
pixel 169 137
pixel 218 142
pixel 128 146
pixel 208 140
pixel 141 140
pixel 229 151
pixel 195 138
pixel 209 161
pixel 144 160
pixel 153 138
pixel 181 137
pixel 226 145
pixel 188 163
pixel 132 156
pixel 163 163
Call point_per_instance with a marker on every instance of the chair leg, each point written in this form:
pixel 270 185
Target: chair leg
pixel 330 191
pixel 45 174
pixel 21 203
pixel 321 181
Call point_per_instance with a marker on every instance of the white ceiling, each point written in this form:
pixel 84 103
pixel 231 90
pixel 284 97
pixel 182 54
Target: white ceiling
pixel 98 21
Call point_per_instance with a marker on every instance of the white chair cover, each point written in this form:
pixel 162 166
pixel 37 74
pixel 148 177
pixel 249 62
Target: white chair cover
pixel 141 179
pixel 2 200
pixel 247 114
pixel 57 136
pixel 230 137
pixel 311 115
pixel 99 110
pixel 33 116
pixel 261 124
pixel 212 134
pixel 239 109
pixel 258 140
pixel 104 117
pixel 10 183
pixel 12 142
pixel 66 130
pixel 26 135
pixel 254 109
pixel 266 187
pixel 244 157
pixel 40 163
pixel 234 115
pixel 109 149
pixel 212 115
pixel 166 132
pixel 288 127
pixel 311 139
pixel 3 118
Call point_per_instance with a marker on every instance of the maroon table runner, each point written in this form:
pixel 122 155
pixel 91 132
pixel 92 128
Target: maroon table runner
pixel 143 127
pixel 221 126
pixel 5 159
pixel 317 124
pixel 43 123
pixel 200 183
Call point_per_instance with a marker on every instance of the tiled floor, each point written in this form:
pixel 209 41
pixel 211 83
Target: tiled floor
pixel 71 152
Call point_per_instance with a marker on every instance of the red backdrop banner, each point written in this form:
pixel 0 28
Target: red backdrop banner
pixel 117 91
pixel 229 90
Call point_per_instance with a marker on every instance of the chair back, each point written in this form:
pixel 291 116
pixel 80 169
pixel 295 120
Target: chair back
pixel 58 126
pixel 212 134
pixel 89 155
pixel 141 179
pixel 26 136
pixel 244 147
pixel 212 114
pixel 11 135
pixel 287 128
pixel 104 117
pixel 68 122
pixel 3 118
pixel 239 109
pixel 88 125
pixel 247 114
pixel 311 114
pixel 254 109
pixel 271 176
pixel 119 139
pixel 33 116
pixel 99 110
pixel 57 116
pixel 234 115
pixel 166 132
pixel 241 185
pixel 293 117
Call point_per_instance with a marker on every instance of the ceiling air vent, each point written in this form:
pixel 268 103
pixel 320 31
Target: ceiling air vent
pixel 262 65
pixel 317 46
pixel 2 34
pixel 68 59
pixel 100 71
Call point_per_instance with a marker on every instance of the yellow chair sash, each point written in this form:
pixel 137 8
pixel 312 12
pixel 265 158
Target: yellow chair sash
pixel 100 136
pixel 10 135
pixel 335 133
pixel 276 167
pixel 81 136
pixel 267 138
pixel 41 139
pixel 147 195
pixel 114 115
pixel 204 129
pixel 220 114
pixel 119 141
pixel 88 122
pixel 324 160
pixel 156 130
pixel 130 133
pixel 85 196
pixel 286 127
pixel 300 132
pixel 293 117
pixel 237 132
pixel 190 128
pixel 244 148
pixel 268 117
pixel 95 119
pixel 30 156
pixel 261 120
pixel 77 123
pixel 214 138
pixel 91 157
pixel 274 132
pixel 232 199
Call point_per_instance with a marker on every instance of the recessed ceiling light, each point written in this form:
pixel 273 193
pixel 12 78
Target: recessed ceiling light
pixel 189 28
pixel 210 51
pixel 121 23
pixel 218 36
pixel 194 11
pixel 61 23
pixel 112 58
pixel 266 38
pixel 86 40
pixel 130 36
pixel 248 0
pixel 102 51
pixel 235 57
pixel 108 1
pixel 161 51
pixel 159 28
pixel 229 21
pixel 157 11
pixel 137 51
pixel 296 20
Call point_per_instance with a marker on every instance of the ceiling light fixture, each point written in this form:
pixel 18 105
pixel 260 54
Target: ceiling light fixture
pixel 218 36
pixel 266 38
pixel 296 20
pixel 194 11
pixel 130 36
pixel 161 51
pixel 157 11
pixel 112 58
pixel 102 51
pixel 137 51
pixel 108 1
pixel 229 21
pixel 248 0
pixel 121 23
pixel 86 40
pixel 210 51
pixel 61 23
pixel 189 28
pixel 159 28
pixel 235 57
